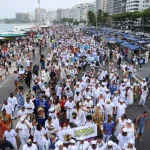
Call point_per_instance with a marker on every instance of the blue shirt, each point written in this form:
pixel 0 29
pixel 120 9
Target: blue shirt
pixel 108 127
pixel 112 88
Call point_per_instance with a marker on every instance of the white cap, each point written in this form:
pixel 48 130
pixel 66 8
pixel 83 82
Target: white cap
pixel 116 92
pixel 108 100
pixel 60 143
pixel 51 109
pixel 121 100
pixel 101 93
pixel 88 97
pixel 98 105
pixel 80 103
pixel 124 130
pixel 131 141
pixel 125 80
pixel 81 138
pixel 72 141
pixel 110 143
pixel 129 121
pixel 78 83
pixel 107 89
pixel 93 142
pixel 144 79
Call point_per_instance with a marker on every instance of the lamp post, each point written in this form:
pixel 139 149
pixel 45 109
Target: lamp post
pixel 39 11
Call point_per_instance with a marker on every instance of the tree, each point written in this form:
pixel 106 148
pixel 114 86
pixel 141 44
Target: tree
pixel 91 18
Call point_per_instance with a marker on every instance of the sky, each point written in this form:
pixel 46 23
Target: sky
pixel 8 8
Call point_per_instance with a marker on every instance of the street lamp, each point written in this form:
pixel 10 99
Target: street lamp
pixel 39 11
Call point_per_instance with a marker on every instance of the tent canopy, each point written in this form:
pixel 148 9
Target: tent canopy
pixel 11 35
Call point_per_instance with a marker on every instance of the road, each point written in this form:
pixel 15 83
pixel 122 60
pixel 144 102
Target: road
pixel 133 111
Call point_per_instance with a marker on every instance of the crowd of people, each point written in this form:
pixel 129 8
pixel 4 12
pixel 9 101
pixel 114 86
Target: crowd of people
pixel 71 87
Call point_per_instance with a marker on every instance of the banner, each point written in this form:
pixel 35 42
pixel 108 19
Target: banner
pixel 85 131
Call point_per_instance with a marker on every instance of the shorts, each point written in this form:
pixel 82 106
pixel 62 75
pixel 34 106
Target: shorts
pixel 140 130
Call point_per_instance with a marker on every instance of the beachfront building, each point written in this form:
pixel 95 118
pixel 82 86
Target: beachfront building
pixel 119 6
pixel 109 6
pixel 22 17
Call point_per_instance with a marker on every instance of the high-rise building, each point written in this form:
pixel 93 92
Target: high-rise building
pixel 119 6
pixel 40 15
pixel 109 6
pixel 135 5
pixel 23 17
pixel 98 5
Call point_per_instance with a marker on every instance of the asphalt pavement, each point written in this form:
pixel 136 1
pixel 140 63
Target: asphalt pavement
pixel 133 111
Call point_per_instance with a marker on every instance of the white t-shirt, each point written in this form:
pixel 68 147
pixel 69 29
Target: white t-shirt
pixel 70 104
pixel 28 62
pixel 10 136
pixel 9 109
pixel 88 104
pixel 33 147
pixel 12 101
pixel 108 108
pixel 24 132
pixel 22 113
pixel 29 105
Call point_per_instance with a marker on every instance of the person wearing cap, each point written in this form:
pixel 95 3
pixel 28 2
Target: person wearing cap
pixel 69 105
pixel 143 83
pixel 22 112
pixel 72 145
pixel 82 144
pixel 58 89
pixel 22 128
pixel 88 102
pixel 109 108
pixel 108 128
pixel 110 145
pixel 122 91
pixel 107 94
pixel 143 96
pixel 93 146
pixel 87 93
pixel 129 145
pixel 29 145
pixel 130 129
pixel 60 146
pixel 120 108
pixel 123 138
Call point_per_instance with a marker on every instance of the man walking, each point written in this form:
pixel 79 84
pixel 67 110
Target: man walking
pixel 141 121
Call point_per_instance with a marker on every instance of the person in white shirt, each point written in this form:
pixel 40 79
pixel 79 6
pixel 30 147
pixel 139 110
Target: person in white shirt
pixel 9 108
pixel 143 83
pixel 13 101
pixel 11 136
pixel 59 90
pixel 108 108
pixel 29 145
pixel 60 146
pixel 28 62
pixel 68 92
pixel 93 146
pixel 110 145
pixel 40 137
pixel 82 144
pixel 69 105
pixel 22 112
pixel 23 127
pixel 143 96
pixel 96 94
pixel 87 93
pixel 129 145
pixel 72 145
pixel 77 97
pixel 88 102
pixel 30 107
pixel 99 141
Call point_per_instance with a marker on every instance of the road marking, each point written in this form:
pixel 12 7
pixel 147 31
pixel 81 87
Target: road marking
pixel 146 108
pixel 6 79
pixel 101 65
pixel 114 59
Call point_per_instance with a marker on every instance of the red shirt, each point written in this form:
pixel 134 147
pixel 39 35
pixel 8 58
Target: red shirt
pixel 63 101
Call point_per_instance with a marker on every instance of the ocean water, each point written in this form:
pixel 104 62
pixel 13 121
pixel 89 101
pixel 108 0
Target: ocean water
pixel 8 27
